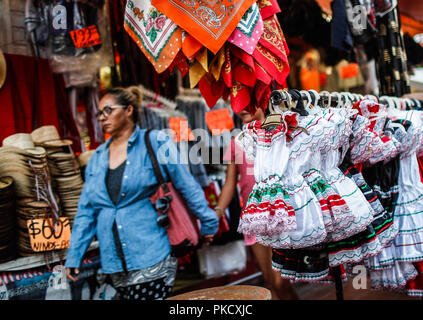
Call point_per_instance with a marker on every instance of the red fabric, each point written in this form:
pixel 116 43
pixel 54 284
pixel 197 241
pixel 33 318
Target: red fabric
pixel 273 39
pixel 261 96
pixel 240 97
pixel 33 97
pixel 420 160
pixel 242 55
pixel 46 96
pixel 262 75
pixel 211 195
pixel 210 89
pixel 9 123
pixel 268 8
pixel 244 74
pixel 181 63
pixel 271 63
pixel 415 286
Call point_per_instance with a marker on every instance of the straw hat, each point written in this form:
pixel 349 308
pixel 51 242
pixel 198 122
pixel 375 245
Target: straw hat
pixel 3 69
pixel 5 184
pixel 47 136
pixel 23 141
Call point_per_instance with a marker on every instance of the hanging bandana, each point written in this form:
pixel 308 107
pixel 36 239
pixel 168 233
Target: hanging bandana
pixel 240 96
pixel 273 65
pixel 211 90
pixel 181 63
pixel 244 74
pixel 210 22
pixel 268 8
pixel 190 46
pixel 248 31
pixel 198 68
pixel 158 37
pixel 227 68
pixel 273 39
pixel 217 64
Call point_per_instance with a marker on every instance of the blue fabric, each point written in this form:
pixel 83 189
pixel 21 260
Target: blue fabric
pixel 144 243
pixel 341 36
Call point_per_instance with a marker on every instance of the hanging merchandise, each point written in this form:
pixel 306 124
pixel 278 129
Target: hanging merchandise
pixel 377 26
pixel 35 198
pixel 157 36
pixel 63 167
pixel 71 34
pixel 392 58
pixel 347 191
pixel 32 96
pixel 210 23
pixel 157 112
pixel 228 49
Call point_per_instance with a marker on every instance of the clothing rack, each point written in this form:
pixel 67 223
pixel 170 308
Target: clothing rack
pixel 335 99
pixel 156 97
pixel 328 98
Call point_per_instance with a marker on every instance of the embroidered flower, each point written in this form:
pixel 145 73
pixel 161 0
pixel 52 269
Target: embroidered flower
pixel 150 25
pixel 160 22
pixel 155 23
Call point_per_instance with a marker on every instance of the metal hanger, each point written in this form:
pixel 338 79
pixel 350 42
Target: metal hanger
pixel 325 94
pixel 275 117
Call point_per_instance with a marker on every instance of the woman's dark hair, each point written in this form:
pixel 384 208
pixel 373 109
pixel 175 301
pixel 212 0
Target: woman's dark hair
pixel 131 96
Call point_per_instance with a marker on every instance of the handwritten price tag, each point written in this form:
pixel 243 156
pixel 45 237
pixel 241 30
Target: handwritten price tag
pixel 44 236
pixel 86 37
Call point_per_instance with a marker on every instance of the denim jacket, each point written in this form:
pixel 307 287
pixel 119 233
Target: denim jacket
pixel 144 243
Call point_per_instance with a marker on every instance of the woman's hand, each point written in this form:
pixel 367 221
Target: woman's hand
pixel 219 212
pixel 72 274
pixel 207 239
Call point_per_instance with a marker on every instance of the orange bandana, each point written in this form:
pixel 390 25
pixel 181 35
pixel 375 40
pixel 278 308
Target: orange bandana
pixel 210 22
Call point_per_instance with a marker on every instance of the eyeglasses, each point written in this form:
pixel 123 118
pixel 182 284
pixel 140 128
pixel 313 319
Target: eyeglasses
pixel 107 110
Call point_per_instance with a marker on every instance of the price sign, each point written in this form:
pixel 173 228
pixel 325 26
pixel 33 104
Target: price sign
pixel 180 129
pixel 46 236
pixel 219 121
pixel 86 37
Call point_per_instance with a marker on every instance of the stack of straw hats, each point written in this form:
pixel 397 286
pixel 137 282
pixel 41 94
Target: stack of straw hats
pixel 64 168
pixel 27 165
pixel 7 220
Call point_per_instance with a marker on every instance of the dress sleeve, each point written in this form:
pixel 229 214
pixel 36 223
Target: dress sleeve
pixel 245 140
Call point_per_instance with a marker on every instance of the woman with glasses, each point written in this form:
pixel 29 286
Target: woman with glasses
pixel 115 205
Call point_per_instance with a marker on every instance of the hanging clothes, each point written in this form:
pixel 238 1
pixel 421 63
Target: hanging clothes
pixel 32 97
pixel 347 190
